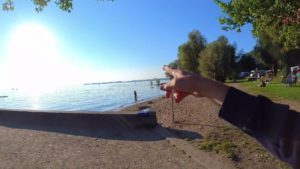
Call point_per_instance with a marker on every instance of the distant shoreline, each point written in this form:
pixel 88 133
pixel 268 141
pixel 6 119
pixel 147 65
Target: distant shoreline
pixel 129 81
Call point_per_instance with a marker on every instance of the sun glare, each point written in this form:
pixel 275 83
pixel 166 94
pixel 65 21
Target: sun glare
pixel 32 60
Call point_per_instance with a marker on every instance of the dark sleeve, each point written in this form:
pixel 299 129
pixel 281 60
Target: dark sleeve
pixel 274 125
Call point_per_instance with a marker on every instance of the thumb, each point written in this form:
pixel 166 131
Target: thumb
pixel 168 88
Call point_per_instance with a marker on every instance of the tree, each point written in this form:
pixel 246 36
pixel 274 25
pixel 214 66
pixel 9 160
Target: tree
pixel 188 53
pixel 291 59
pixel 173 65
pixel 65 5
pixel 264 58
pixel 246 62
pixel 282 15
pixel 270 52
pixel 217 60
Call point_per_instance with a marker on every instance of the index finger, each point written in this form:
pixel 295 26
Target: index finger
pixel 169 70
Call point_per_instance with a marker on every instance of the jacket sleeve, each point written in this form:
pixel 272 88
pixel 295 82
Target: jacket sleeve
pixel 273 125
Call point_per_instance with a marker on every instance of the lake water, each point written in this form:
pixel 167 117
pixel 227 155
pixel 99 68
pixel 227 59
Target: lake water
pixel 91 98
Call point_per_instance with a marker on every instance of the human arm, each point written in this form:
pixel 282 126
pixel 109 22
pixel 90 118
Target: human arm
pixel 273 125
pixel 185 83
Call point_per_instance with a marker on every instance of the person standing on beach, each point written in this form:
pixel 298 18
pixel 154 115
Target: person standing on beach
pixel 135 96
pixel 273 125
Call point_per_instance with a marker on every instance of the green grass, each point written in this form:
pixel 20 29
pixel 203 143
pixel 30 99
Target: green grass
pixel 219 143
pixel 230 142
pixel 274 90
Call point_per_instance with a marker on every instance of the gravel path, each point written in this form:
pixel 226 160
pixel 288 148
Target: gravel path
pixel 59 140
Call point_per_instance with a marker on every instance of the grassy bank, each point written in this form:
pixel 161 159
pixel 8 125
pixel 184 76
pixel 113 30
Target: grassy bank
pixel 274 90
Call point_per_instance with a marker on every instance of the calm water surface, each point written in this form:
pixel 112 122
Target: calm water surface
pixel 92 98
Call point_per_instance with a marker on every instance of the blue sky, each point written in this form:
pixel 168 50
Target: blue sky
pixel 121 40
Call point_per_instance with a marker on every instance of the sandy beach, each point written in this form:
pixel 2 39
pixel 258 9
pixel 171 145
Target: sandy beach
pixel 124 140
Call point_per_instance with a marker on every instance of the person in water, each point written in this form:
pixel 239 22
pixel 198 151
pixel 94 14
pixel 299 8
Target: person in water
pixel 273 125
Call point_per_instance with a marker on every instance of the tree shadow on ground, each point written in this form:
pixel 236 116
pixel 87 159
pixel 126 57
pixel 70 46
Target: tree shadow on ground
pixel 131 127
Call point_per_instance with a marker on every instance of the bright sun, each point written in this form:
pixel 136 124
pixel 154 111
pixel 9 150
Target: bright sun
pixel 32 60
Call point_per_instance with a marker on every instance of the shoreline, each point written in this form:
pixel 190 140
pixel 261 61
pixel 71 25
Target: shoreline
pixel 122 107
pixel 116 109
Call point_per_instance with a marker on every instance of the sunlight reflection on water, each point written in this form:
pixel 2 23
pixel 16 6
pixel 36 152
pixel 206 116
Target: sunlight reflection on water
pixel 92 98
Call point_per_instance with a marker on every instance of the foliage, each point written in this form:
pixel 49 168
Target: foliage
pixel 188 53
pixel 173 65
pixel 291 59
pixel 65 5
pixel 8 5
pixel 246 63
pixel 263 57
pixel 217 60
pixel 235 71
pixel 271 53
pixel 282 15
